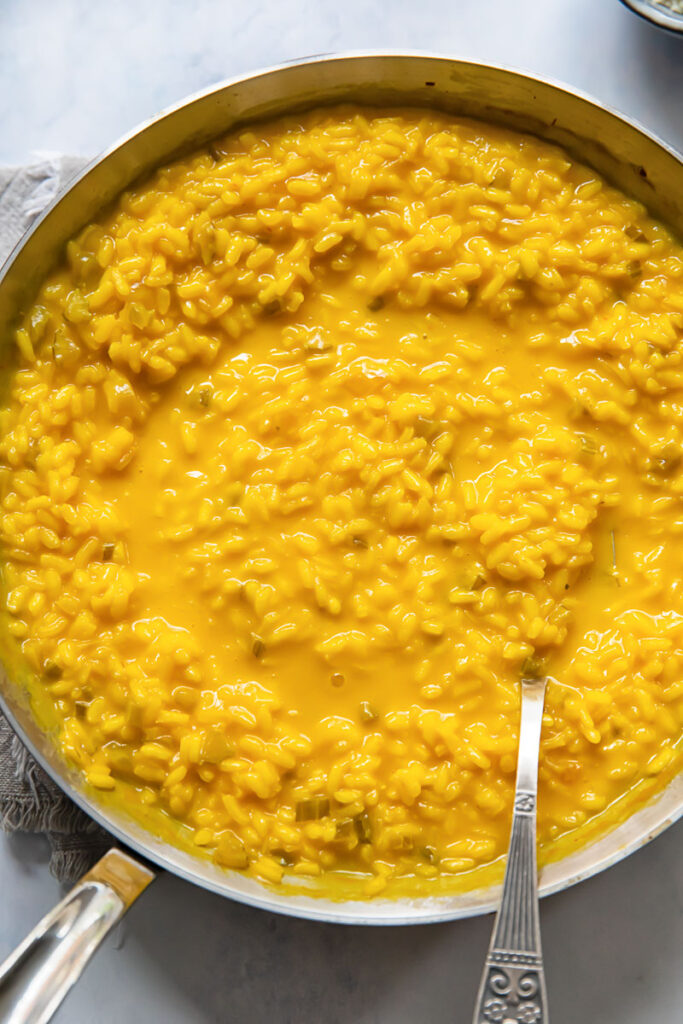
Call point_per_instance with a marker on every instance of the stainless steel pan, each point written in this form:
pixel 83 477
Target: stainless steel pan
pixel 623 152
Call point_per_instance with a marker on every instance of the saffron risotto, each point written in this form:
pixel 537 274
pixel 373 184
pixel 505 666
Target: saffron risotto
pixel 317 443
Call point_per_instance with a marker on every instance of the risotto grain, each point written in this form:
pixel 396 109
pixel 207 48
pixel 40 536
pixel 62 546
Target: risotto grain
pixel 316 443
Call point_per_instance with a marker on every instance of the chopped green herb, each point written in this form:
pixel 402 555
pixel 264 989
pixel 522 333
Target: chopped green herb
pixel 588 445
pixel 52 670
pixel 76 309
pixel 257 645
pixel 376 303
pixel 360 542
pixel 345 828
pixel 472 579
pixel 532 668
pixel 200 395
pixel 363 827
pixel 39 320
pixel 635 233
pixel 32 450
pixel 65 350
pixel 108 549
pixel 216 747
pixel 312 809
pixel 140 316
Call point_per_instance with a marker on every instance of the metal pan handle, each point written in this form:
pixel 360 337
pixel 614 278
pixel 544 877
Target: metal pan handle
pixel 38 974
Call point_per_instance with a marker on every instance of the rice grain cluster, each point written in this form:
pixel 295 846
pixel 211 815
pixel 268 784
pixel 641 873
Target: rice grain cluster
pixel 317 442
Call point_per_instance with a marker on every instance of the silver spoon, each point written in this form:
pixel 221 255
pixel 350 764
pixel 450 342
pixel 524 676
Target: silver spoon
pixel 512 989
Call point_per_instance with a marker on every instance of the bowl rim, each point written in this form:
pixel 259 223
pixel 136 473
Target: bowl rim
pixel 657 814
pixel 657 15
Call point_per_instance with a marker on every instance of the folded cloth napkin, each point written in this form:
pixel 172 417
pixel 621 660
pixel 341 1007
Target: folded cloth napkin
pixel 29 799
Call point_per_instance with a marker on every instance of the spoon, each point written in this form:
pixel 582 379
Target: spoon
pixel 512 989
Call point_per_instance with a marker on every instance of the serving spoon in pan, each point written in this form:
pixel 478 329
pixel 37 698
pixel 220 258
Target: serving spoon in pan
pixel 512 989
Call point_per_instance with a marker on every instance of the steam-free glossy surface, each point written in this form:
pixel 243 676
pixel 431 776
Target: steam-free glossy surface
pixel 339 426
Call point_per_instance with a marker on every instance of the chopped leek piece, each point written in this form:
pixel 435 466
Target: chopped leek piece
pixel 312 808
pixel 363 827
pixel 257 645
pixel 216 747
pixel 108 549
pixel 532 668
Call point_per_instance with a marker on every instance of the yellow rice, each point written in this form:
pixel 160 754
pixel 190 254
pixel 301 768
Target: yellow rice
pixel 316 443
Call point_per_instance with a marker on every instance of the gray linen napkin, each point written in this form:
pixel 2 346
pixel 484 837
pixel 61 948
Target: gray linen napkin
pixel 29 799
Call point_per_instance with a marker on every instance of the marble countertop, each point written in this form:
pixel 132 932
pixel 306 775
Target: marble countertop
pixel 76 74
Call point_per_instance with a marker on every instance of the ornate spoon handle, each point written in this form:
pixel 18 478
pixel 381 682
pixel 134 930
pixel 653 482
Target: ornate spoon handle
pixel 512 986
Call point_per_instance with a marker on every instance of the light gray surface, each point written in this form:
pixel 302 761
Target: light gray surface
pixel 73 76
pixel 612 951
pixel 76 74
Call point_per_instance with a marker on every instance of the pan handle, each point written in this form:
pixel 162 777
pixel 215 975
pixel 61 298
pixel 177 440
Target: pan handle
pixel 37 975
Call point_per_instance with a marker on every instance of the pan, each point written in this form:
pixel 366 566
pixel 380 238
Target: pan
pixel 35 978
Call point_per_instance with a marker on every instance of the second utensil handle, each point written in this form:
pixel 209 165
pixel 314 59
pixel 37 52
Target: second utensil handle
pixel 513 983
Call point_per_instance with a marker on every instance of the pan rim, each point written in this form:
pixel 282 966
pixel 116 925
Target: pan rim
pixel 354 912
